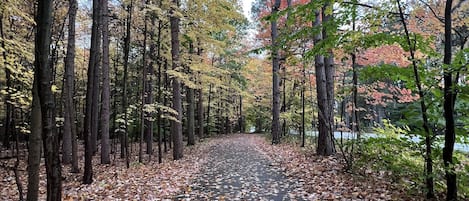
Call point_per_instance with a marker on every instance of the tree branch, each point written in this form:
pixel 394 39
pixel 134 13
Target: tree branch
pixel 369 6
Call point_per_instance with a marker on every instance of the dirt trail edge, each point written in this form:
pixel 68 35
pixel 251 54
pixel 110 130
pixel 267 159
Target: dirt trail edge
pixel 236 170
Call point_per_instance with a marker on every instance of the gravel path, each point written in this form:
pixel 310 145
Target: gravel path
pixel 236 170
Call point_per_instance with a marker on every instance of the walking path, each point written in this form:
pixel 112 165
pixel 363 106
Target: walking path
pixel 236 170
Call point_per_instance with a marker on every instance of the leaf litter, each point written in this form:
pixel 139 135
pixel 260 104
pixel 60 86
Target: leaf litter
pixel 230 167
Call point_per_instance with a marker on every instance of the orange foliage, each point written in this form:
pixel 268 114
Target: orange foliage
pixel 382 93
pixel 387 54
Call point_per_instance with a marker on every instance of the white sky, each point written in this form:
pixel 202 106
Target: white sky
pixel 247 8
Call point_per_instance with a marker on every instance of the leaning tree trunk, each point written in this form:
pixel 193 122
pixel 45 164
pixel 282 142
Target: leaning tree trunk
pixel 275 78
pixel 43 77
pixel 176 126
pixel 106 93
pixel 423 107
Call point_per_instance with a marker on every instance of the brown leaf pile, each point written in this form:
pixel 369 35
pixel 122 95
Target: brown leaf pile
pixel 317 177
pixel 148 181
pixel 323 178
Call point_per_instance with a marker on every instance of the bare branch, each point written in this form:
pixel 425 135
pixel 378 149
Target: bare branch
pixel 369 6
pixel 441 19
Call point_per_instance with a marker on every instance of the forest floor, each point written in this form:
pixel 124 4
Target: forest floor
pixel 229 167
pixel 248 167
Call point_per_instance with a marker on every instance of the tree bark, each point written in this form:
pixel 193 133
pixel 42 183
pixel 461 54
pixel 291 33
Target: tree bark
pixel 200 113
pixel 69 135
pixel 43 78
pixel 428 138
pixel 144 124
pixel 19 185
pixel 275 78
pixel 71 87
pixel 95 105
pixel 190 117
pixel 151 72
pixel 284 99
pixel 303 89
pixel 449 101
pixel 8 121
pixel 165 103
pixel 125 140
pixel 34 148
pixel 160 91
pixel 241 117
pixel 355 111
pixel 208 127
pixel 325 145
pixel 176 126
pixel 106 89
pixel 90 93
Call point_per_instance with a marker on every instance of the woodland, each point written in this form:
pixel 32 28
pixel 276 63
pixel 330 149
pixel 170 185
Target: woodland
pixel 177 99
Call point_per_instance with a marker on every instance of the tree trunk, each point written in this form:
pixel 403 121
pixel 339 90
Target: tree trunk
pixel 208 109
pixel 115 109
pixel 303 87
pixel 325 145
pixel 275 78
pixel 19 185
pixel 106 93
pixel 200 100
pixel 449 101
pixel 428 138
pixel 8 121
pixel 90 89
pixel 125 139
pixel 34 148
pixel 241 118
pixel 355 111
pixel 330 74
pixel 220 120
pixel 43 78
pixel 69 119
pixel 160 91
pixel 190 117
pixel 200 113
pixel 165 103
pixel 149 87
pixel 71 85
pixel 176 126
pixel 95 99
pixel 143 124
pixel 284 99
